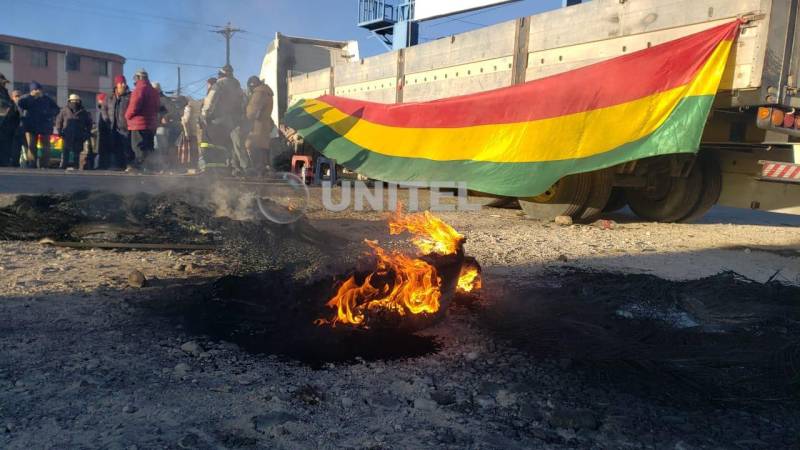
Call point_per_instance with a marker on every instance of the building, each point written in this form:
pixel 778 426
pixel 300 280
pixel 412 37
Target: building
pixel 60 69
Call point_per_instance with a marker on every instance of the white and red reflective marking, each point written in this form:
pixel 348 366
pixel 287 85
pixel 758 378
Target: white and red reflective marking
pixel 780 171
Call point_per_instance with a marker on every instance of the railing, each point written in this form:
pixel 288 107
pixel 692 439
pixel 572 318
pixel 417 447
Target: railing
pixel 375 11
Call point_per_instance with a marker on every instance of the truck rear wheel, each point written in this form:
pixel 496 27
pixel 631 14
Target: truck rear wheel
pixel 617 200
pixel 600 193
pixel 712 186
pixel 668 199
pixel 568 197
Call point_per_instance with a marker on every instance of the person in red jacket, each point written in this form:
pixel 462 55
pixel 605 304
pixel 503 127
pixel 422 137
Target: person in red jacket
pixel 142 117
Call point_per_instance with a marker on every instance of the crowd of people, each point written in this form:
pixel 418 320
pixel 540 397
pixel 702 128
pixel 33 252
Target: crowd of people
pixel 141 129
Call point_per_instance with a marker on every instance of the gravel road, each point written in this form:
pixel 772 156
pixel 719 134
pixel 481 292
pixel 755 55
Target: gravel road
pixel 88 361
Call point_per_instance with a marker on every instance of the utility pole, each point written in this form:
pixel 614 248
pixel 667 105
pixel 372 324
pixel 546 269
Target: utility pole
pixel 228 31
pixel 179 81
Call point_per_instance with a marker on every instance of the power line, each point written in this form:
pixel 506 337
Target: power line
pixel 483 11
pixel 174 63
pixel 154 16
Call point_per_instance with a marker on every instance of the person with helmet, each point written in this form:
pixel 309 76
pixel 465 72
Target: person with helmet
pixel 259 114
pixel 142 119
pixel 74 125
pixel 9 122
pixel 221 116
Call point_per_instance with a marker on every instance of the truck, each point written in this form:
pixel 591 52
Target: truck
pixel 749 155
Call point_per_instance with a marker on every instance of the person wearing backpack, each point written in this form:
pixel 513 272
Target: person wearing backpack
pixel 9 122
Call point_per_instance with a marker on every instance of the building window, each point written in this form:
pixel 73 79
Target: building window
pixel 101 67
pixel 73 62
pixel 5 52
pixel 38 57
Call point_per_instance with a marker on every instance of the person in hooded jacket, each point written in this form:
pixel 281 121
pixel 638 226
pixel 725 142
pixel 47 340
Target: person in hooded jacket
pixel 9 122
pixel 74 125
pixel 38 112
pixel 222 113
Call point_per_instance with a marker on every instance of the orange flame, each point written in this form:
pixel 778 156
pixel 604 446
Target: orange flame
pixel 469 279
pixel 399 284
pixel 431 234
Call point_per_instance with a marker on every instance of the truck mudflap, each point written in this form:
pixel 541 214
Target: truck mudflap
pixel 779 171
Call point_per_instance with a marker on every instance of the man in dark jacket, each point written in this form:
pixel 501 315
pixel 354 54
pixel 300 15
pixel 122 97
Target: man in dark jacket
pixel 102 133
pixel 9 122
pixel 142 118
pixel 121 153
pixel 74 125
pixel 18 144
pixel 38 112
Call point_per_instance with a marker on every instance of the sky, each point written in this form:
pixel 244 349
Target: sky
pixel 160 34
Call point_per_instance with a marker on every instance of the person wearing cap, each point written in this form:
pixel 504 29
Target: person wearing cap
pixel 74 125
pixel 259 114
pixel 222 113
pixel 38 113
pixel 121 152
pixel 9 122
pixel 142 118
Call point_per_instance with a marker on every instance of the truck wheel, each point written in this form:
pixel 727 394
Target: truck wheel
pixel 617 201
pixel 567 197
pixel 602 184
pixel 670 200
pixel 712 186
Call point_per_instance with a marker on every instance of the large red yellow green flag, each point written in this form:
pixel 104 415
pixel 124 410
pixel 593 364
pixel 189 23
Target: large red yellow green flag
pixel 518 141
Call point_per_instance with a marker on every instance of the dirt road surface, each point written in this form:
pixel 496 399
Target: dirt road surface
pixel 583 337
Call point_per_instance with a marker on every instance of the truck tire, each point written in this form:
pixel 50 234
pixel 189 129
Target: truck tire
pixel 602 184
pixel 617 200
pixel 712 186
pixel 672 200
pixel 568 197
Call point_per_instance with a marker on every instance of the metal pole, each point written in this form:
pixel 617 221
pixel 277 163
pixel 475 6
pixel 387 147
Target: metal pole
pixel 179 80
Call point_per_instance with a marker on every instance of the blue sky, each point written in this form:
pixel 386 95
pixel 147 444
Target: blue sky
pixel 178 30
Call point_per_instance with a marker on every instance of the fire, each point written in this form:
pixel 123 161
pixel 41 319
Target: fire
pixel 402 285
pixel 430 233
pixel 469 279
pixel 399 284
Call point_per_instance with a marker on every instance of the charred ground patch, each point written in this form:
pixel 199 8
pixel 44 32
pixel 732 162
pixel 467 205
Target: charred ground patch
pixel 713 341
pixel 270 313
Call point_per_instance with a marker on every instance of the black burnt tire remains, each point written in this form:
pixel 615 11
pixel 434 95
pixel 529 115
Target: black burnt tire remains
pixel 678 198
pixel 617 200
pixel 600 193
pixel 712 186
pixel 567 197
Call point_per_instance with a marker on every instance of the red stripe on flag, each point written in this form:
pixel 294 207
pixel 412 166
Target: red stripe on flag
pixel 619 80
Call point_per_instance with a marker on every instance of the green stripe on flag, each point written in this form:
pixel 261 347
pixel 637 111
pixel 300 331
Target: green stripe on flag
pixel 680 133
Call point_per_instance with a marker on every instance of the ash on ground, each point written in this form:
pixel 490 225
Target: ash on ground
pixel 221 357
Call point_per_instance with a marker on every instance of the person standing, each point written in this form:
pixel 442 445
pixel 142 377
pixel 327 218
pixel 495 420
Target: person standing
pixel 259 114
pixel 187 148
pixel 142 118
pixel 38 113
pixel 222 113
pixel 9 122
pixel 74 125
pixel 18 144
pixel 102 139
pixel 121 152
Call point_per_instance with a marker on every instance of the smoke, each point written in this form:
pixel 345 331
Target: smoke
pixel 232 203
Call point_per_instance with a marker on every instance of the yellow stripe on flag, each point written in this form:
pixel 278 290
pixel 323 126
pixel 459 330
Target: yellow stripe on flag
pixel 579 135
